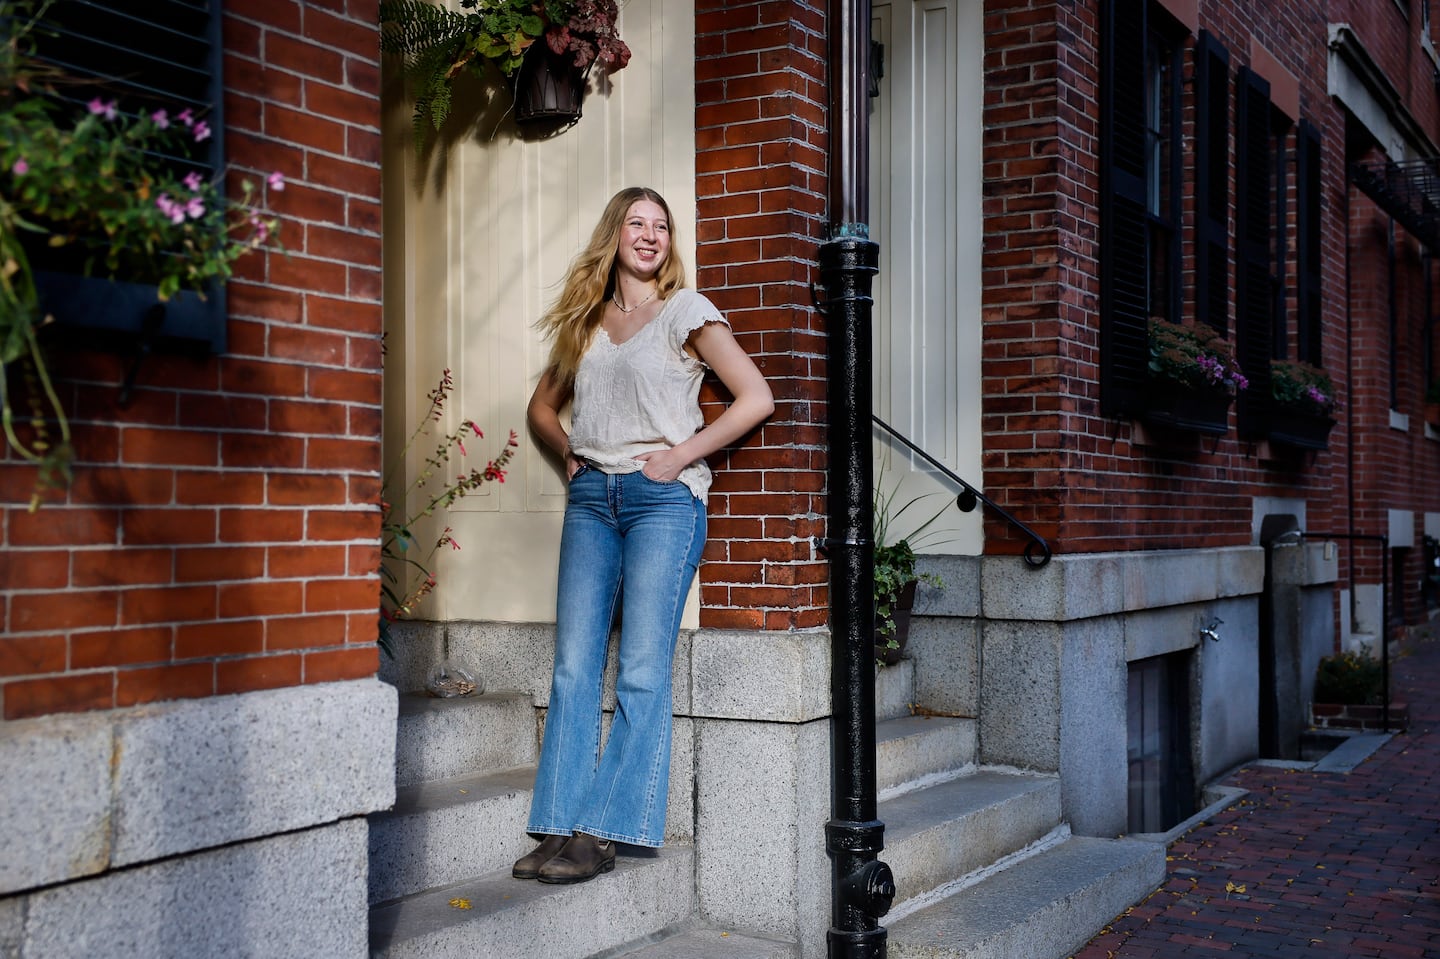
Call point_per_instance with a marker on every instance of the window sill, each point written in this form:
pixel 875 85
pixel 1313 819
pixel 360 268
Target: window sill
pixel 1399 421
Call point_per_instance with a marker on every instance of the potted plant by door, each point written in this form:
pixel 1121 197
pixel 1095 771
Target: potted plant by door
pixel 1193 377
pixel 896 576
pixel 499 37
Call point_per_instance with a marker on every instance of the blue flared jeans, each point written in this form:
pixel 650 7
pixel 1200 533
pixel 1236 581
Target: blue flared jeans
pixel 632 541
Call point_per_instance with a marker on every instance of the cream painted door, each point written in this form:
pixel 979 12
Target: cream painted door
pixel 476 244
pixel 925 195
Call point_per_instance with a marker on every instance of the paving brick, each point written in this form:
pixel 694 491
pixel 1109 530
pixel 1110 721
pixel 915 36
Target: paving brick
pixel 1332 864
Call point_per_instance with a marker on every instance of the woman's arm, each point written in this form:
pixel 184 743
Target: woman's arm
pixel 544 416
pixel 716 345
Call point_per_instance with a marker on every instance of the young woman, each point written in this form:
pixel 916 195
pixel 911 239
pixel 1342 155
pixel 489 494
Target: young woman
pixel 630 345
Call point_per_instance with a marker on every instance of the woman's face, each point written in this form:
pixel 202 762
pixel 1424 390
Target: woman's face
pixel 644 239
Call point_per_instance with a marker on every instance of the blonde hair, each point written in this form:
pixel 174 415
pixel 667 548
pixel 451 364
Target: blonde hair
pixel 577 311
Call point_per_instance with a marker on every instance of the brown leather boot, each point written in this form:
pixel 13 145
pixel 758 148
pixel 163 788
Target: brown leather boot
pixel 583 857
pixel 528 866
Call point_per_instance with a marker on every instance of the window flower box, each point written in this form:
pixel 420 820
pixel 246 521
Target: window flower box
pixel 1301 429
pixel 1182 408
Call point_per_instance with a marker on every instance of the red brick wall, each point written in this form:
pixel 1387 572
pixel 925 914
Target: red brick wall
pixel 221 535
pixel 760 111
pixel 1090 482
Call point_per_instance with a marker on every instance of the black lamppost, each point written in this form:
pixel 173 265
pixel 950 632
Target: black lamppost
pixel 862 886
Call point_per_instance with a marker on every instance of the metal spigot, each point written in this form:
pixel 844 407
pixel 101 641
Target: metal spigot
pixel 1210 630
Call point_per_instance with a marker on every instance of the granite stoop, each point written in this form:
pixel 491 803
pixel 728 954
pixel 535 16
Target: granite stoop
pixel 984 865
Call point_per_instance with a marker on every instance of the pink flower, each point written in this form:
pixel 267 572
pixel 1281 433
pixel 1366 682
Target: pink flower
pixel 276 181
pixel 175 211
pixel 161 119
pixel 192 182
pixel 202 131
pixel 186 117
pixel 262 230
pixel 20 167
pixel 99 107
pixel 460 444
pixel 195 208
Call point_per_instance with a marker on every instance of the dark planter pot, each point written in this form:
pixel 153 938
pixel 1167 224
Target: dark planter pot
pixel 904 603
pixel 1305 431
pixel 1198 411
pixel 549 87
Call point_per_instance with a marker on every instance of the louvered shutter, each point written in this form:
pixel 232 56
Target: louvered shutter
pixel 162 54
pixel 1124 254
pixel 1254 296
pixel 1212 183
pixel 1307 241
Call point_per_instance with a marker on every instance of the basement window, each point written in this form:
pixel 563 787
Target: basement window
pixel 1161 777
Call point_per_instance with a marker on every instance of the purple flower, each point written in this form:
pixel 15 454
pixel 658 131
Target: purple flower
pixel 99 107
pixel 195 208
pixel 276 181
pixel 192 181
pixel 186 117
pixel 20 167
pixel 161 119
pixel 202 131
pixel 175 211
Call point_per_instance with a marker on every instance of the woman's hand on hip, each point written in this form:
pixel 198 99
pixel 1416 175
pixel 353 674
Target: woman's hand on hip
pixel 663 466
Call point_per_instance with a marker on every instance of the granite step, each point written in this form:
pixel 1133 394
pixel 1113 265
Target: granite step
pixel 443 832
pixel 1041 907
pixel 440 738
pixel 648 892
pixel 707 943
pixel 943 831
pixel 913 748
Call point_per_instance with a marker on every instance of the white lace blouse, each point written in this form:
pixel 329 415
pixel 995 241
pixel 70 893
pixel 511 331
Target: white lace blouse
pixel 643 394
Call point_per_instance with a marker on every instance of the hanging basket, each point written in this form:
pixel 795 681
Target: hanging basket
pixel 549 87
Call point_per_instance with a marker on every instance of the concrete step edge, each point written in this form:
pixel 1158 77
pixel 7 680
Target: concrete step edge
pixel 914 748
pixel 1043 906
pixel 943 831
pixel 439 738
pixel 700 941
pixel 497 915
pixel 444 832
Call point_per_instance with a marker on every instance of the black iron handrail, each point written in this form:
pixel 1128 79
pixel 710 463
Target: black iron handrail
pixel 969 497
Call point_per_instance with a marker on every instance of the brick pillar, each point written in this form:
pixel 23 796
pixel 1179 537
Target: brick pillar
pixel 1041 341
pixel 760 99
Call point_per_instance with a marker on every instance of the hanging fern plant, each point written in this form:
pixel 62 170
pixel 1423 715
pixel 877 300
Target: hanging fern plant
pixel 438 43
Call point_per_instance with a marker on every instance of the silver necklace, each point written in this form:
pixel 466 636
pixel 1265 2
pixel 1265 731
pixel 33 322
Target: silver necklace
pixel 615 298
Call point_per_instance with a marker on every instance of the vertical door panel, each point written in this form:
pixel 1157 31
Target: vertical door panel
pixel 926 216
pixel 489 237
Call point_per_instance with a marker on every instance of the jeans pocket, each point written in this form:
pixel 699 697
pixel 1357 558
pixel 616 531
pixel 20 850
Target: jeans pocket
pixel 579 472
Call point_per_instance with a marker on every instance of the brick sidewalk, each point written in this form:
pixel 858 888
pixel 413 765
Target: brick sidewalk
pixel 1311 864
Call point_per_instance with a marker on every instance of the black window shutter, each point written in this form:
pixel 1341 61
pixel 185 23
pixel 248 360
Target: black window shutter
pixel 1307 241
pixel 1212 183
pixel 163 54
pixel 1124 294
pixel 1254 294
